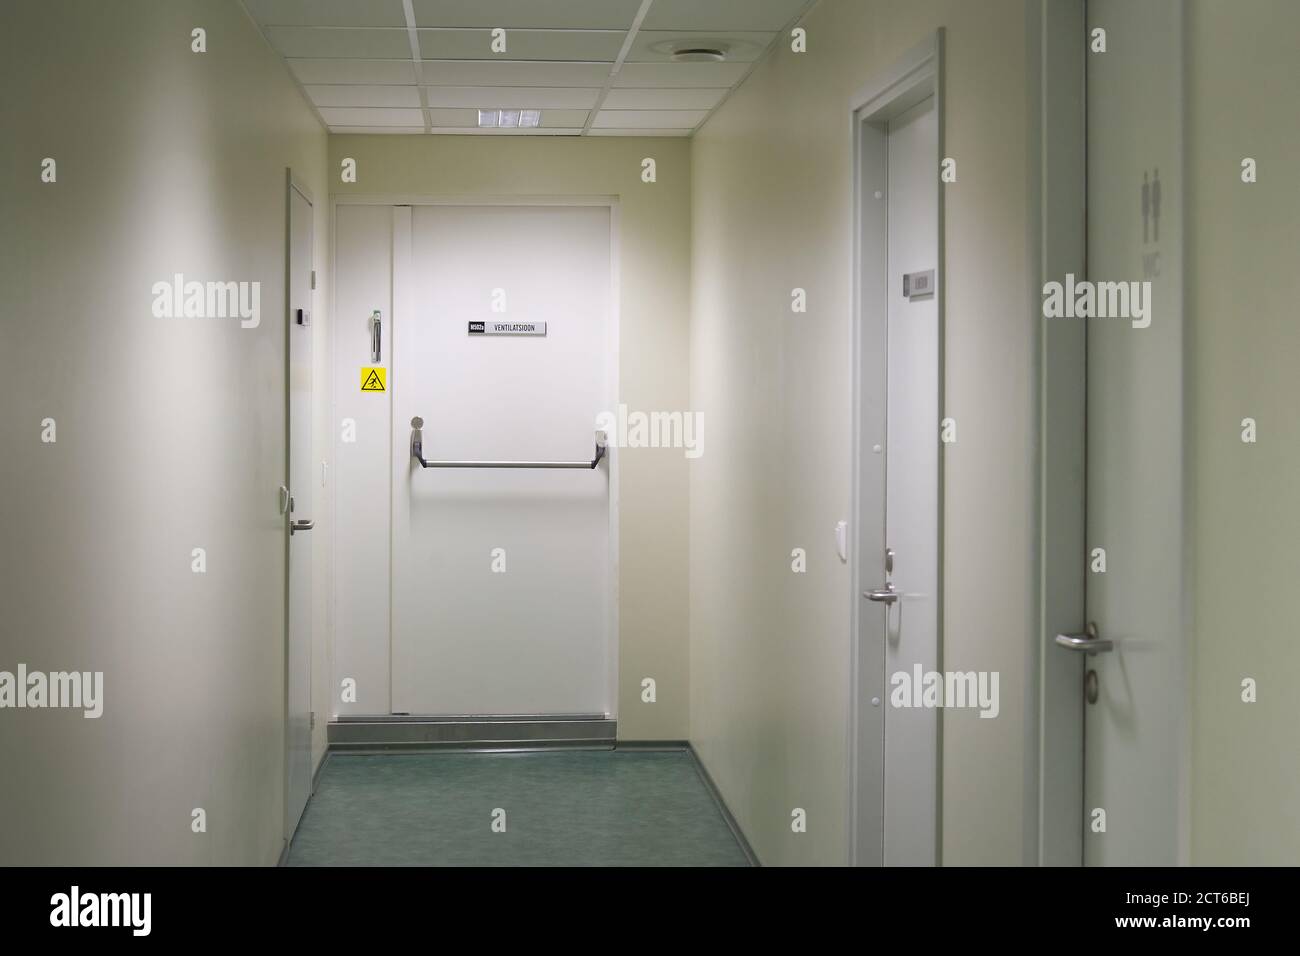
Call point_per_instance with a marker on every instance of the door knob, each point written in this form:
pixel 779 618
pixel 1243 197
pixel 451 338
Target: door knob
pixel 1089 642
pixel 885 595
pixel 301 524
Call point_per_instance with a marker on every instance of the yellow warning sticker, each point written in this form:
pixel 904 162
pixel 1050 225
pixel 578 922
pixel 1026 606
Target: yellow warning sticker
pixel 374 379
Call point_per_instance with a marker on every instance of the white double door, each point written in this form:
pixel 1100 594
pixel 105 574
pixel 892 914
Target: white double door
pixel 501 577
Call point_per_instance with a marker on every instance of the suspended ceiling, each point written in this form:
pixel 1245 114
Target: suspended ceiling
pixel 592 67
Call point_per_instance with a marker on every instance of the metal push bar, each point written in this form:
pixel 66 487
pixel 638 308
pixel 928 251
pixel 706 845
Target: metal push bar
pixel 417 452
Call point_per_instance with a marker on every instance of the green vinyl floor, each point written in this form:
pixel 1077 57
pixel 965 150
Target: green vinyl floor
pixel 562 808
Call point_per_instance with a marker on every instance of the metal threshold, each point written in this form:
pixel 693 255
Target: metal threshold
pixel 501 732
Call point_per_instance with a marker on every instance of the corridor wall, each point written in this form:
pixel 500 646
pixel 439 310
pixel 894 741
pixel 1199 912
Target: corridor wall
pixel 772 211
pixel 169 432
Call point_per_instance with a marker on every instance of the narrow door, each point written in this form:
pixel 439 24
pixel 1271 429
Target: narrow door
pixel 912 487
pixel 502 348
pixel 1135 720
pixel 900 387
pixel 300 515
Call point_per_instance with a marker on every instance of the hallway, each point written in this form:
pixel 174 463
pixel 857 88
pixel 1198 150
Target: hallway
pixel 841 434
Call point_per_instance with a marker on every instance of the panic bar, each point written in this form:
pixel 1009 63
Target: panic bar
pixel 417 452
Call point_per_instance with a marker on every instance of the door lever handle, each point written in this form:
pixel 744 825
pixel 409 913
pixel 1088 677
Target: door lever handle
pixel 301 524
pixel 1088 642
pixel 885 595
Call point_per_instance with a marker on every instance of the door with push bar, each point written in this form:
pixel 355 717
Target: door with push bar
pixel 502 571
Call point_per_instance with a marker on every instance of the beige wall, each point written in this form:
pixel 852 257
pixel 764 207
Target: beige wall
pixel 1242 291
pixel 170 432
pixel 653 323
pixel 771 210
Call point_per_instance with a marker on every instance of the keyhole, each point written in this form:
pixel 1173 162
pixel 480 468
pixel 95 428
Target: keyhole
pixel 1090 686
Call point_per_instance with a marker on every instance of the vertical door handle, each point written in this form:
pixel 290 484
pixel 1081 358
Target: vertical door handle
pixel 376 336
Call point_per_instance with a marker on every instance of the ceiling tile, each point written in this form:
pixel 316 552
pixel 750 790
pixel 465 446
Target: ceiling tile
pixel 765 15
pixel 519 14
pixel 343 95
pixel 377 72
pixel 453 117
pixel 658 46
pixel 704 99
pixel 680 75
pixel 572 45
pixel 640 132
pixel 524 97
pixel 343 42
pixel 552 119
pixel 649 119
pixel 506 73
pixel 328 13
pixel 367 116
pixel 377 129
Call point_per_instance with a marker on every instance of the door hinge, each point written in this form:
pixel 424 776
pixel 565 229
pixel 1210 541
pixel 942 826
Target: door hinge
pixel 313 278
pixel 312 725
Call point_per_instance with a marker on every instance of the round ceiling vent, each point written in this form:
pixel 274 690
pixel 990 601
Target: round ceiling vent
pixel 703 49
pixel 699 54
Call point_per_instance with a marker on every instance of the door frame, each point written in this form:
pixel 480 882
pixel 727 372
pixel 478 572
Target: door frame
pixel 613 203
pixel 917 75
pixel 293 184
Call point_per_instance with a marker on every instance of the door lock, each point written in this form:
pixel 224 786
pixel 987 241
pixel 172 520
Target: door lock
pixel 1090 689
pixel 885 594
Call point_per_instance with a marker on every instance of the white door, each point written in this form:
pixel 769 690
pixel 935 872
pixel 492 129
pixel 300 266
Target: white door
pixel 912 488
pixel 1135 726
pixel 300 513
pixel 900 386
pixel 502 577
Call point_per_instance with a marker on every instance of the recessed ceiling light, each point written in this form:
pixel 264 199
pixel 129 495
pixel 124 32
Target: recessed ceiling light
pixel 509 119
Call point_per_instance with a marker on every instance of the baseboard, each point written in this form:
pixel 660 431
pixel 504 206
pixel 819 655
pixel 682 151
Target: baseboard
pixel 652 745
pixel 731 822
pixel 320 769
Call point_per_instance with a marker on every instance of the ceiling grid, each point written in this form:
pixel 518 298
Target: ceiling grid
pixel 592 67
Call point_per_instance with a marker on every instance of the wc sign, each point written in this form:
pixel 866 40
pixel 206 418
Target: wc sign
pixel 507 328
